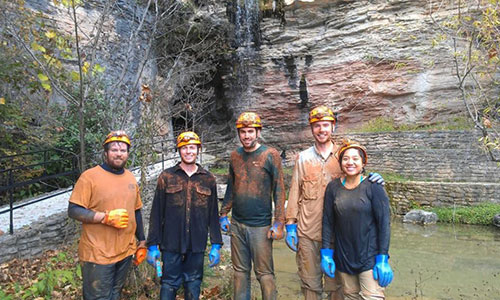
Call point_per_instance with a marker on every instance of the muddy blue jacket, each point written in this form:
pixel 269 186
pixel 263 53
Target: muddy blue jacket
pixel 184 211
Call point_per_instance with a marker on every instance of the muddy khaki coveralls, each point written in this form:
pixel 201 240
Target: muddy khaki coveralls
pixel 311 175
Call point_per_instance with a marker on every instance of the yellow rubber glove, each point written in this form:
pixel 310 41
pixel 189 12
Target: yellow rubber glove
pixel 117 218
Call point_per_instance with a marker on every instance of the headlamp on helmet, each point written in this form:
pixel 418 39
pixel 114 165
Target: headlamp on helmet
pixel 321 113
pixel 348 144
pixel 188 138
pixel 248 119
pixel 117 136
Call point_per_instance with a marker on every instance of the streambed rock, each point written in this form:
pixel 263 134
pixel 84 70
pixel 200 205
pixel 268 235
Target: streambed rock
pixel 418 216
pixel 496 220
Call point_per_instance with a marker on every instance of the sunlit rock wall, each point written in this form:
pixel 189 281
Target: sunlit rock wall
pixel 364 58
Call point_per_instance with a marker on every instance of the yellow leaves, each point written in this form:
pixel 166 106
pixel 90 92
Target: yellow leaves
pixel 85 67
pixel 50 34
pixel 438 40
pixel 35 46
pixel 43 77
pixel 2 101
pixel 46 86
pixel 98 69
pixel 67 3
pixel 45 82
pixel 75 76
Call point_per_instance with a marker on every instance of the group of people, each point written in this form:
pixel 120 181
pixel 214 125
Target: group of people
pixel 337 219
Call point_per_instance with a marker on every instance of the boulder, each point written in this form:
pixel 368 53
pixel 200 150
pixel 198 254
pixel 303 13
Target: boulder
pixel 418 216
pixel 496 220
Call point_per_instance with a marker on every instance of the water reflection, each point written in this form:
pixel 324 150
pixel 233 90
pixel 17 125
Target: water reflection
pixel 433 262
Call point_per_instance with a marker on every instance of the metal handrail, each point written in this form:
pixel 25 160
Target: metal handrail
pixel 12 184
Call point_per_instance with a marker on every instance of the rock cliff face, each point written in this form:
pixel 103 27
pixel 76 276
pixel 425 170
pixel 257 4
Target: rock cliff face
pixel 122 46
pixel 366 59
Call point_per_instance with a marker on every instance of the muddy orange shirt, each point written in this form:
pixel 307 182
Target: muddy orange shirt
pixel 100 190
pixel 311 175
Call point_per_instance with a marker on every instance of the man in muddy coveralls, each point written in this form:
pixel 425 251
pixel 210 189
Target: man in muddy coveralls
pixel 255 181
pixel 184 212
pixel 106 200
pixel 314 168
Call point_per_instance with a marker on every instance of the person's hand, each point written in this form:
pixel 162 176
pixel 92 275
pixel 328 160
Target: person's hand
pixel 382 270
pixel 140 255
pixel 153 255
pixel 376 178
pixel 214 255
pixel 117 218
pixel 327 263
pixel 276 231
pixel 224 224
pixel 291 237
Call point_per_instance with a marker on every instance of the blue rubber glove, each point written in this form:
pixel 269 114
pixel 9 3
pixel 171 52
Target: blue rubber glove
pixel 153 255
pixel 376 178
pixel 327 263
pixel 291 237
pixel 224 224
pixel 382 271
pixel 214 255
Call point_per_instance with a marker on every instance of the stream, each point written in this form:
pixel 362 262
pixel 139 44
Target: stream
pixel 434 262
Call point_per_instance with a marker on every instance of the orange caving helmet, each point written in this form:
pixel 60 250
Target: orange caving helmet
pixel 187 138
pixel 348 144
pixel 321 113
pixel 117 136
pixel 248 119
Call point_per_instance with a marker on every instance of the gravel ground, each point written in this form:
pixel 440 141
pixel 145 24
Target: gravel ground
pixel 26 215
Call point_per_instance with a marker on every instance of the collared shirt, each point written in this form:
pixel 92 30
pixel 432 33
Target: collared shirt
pixel 255 180
pixel 311 175
pixel 184 211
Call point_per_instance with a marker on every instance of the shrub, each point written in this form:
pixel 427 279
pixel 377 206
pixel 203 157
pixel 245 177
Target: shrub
pixel 481 214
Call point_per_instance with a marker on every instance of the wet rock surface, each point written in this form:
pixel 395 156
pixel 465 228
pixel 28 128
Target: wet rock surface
pixel 496 220
pixel 367 59
pixel 418 216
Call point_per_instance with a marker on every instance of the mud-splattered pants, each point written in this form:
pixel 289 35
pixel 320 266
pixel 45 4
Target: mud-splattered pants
pixel 251 245
pixel 104 282
pixel 361 286
pixel 311 277
pixel 185 269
